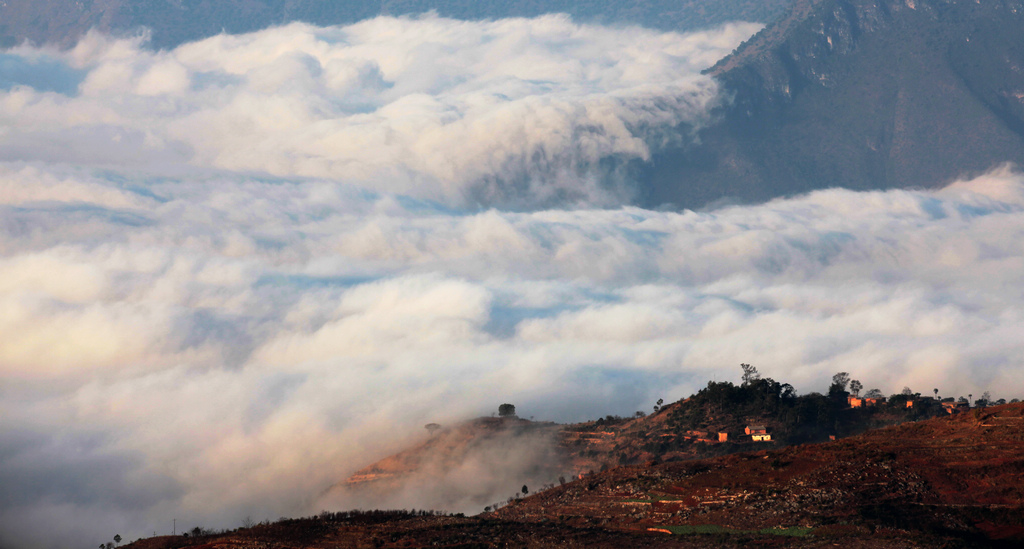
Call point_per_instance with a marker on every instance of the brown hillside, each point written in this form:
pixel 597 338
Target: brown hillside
pixel 960 477
pixel 502 454
pixel 947 482
pixel 553 450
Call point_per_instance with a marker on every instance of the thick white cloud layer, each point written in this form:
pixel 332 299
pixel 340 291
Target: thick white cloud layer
pixel 188 337
pixel 516 112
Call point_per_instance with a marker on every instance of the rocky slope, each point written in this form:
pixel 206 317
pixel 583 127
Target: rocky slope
pixel 958 476
pixel 863 94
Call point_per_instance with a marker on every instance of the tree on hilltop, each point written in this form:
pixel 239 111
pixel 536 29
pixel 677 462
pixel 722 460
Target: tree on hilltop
pixel 507 410
pixel 839 383
pixel 855 387
pixel 750 374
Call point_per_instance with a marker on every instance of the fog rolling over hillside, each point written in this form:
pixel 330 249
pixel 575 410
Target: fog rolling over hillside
pixel 863 94
pixel 237 270
pixel 515 113
pixel 175 22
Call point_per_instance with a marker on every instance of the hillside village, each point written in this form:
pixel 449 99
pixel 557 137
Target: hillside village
pixel 722 418
pixel 949 481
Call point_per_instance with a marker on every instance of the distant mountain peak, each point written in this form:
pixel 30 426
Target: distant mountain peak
pixel 770 37
pixel 862 94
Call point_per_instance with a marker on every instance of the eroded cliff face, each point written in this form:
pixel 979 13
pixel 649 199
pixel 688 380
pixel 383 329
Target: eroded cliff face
pixel 863 94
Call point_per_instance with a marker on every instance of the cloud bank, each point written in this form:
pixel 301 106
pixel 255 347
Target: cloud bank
pixel 512 113
pixel 208 350
pixel 233 273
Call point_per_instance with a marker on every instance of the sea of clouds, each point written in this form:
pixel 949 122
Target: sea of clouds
pixel 235 272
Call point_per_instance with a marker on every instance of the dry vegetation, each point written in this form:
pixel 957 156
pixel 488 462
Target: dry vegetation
pixel 949 482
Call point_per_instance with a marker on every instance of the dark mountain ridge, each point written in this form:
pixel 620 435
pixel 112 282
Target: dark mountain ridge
pixel 862 94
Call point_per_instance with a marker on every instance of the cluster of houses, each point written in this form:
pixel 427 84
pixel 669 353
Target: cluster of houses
pixel 950 406
pixel 864 402
pixel 757 433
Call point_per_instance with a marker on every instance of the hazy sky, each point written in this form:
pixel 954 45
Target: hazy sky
pixel 235 272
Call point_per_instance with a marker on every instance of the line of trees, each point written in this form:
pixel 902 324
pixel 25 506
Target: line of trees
pixel 794 418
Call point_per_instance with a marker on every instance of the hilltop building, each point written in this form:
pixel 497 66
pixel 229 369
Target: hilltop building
pixel 956 407
pixel 758 433
pixel 862 402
